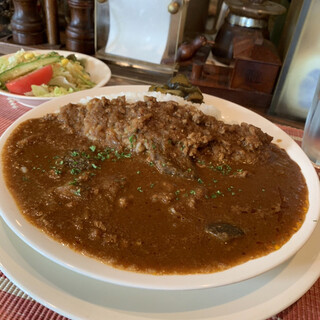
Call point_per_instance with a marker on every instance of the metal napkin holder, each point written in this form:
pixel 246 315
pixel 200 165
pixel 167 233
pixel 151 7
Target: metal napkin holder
pixel 167 66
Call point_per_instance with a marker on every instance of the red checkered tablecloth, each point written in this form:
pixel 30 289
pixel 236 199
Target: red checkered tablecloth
pixel 17 305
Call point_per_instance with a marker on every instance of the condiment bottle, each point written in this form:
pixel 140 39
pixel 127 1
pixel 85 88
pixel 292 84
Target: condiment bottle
pixel 80 30
pixel 26 23
pixel 247 18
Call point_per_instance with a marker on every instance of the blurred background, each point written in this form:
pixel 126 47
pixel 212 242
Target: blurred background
pixel 264 55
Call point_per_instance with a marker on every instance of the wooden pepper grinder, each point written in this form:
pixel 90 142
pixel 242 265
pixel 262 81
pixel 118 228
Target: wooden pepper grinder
pixel 80 30
pixel 26 23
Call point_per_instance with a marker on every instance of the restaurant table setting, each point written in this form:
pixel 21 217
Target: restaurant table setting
pixel 35 287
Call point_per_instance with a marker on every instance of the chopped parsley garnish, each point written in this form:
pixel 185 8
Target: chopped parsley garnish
pixel 85 155
pixel 126 155
pixel 59 162
pixel 132 140
pixel 74 182
pixel 223 169
pixel 101 156
pixel 77 162
pixel 182 146
pixel 75 171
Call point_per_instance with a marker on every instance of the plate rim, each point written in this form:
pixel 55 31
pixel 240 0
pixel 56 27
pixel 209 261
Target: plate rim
pixel 175 281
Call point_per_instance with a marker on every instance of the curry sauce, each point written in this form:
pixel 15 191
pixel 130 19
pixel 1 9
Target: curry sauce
pixel 143 208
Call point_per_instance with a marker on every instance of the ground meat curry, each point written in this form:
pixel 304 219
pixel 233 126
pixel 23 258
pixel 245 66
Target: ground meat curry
pixel 154 186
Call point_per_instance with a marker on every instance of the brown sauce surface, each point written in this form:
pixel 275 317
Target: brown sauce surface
pixel 117 206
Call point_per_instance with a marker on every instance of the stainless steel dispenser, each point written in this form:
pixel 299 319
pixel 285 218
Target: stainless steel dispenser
pixel 141 34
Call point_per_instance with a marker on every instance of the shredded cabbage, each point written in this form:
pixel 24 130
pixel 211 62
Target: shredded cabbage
pixel 46 91
pixel 12 61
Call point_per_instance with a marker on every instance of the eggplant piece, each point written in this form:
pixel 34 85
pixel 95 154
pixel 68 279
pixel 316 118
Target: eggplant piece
pixel 179 80
pixel 162 89
pixel 179 85
pixel 195 96
pixel 224 231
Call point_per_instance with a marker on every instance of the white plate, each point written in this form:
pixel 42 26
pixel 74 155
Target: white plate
pixel 79 297
pixel 99 72
pixel 90 267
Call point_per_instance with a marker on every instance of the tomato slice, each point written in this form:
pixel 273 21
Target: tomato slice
pixel 23 84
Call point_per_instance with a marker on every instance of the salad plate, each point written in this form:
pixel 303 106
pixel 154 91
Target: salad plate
pixel 81 264
pixel 99 73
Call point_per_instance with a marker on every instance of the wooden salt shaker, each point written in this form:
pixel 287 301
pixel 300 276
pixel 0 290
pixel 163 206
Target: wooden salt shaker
pixel 26 23
pixel 80 30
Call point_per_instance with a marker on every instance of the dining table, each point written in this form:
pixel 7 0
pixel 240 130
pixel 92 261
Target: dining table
pixel 16 302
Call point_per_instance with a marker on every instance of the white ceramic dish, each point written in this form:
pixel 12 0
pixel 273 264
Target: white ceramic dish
pixel 90 267
pixel 99 72
pixel 79 297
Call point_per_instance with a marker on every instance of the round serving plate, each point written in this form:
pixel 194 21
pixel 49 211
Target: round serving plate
pixel 84 265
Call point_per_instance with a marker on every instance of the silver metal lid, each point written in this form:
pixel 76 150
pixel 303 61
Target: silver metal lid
pixel 246 22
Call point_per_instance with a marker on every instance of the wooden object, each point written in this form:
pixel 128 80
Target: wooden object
pixel 188 49
pixel 248 81
pixel 223 47
pixel 52 23
pixel 257 65
pixel 80 30
pixel 5 17
pixel 26 23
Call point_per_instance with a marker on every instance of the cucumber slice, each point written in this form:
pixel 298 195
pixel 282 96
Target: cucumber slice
pixel 26 67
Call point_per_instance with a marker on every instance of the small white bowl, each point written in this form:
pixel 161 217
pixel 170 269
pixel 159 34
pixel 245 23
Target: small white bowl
pixel 98 70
